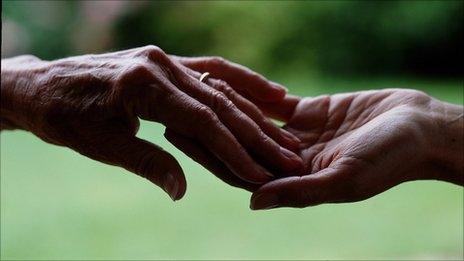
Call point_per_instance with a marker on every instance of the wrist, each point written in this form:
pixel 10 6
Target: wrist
pixel 446 154
pixel 19 79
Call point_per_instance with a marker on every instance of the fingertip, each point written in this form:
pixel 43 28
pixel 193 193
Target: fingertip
pixel 264 201
pixel 289 140
pixel 267 91
pixel 174 183
pixel 283 192
pixel 279 87
pixel 266 196
pixel 257 175
pixel 182 186
pixel 274 95
pixel 279 91
pixel 181 191
pixel 292 161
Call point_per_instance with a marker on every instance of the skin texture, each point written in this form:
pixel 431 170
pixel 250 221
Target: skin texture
pixel 92 104
pixel 333 149
pixel 357 145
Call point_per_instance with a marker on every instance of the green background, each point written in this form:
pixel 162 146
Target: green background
pixel 57 204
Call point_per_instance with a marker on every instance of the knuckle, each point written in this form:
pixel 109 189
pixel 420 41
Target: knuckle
pixel 220 103
pixel 134 82
pixel 152 49
pixel 136 72
pixel 412 97
pixel 152 52
pixel 138 69
pixel 264 139
pixel 223 87
pixel 205 116
pixel 219 97
pixel 259 115
pixel 418 96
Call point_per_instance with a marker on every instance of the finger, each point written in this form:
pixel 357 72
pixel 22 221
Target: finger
pixel 281 136
pixel 147 160
pixel 237 76
pixel 327 186
pixel 282 110
pixel 245 129
pixel 199 154
pixel 188 117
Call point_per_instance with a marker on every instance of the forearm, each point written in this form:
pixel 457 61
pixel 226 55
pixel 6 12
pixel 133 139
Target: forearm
pixel 448 141
pixel 19 76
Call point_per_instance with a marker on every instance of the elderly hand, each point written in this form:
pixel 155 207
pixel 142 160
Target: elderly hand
pixel 357 145
pixel 92 103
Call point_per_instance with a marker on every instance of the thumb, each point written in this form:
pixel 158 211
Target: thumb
pixel 149 161
pixel 329 185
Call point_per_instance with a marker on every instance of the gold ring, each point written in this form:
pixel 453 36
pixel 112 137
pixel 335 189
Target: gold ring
pixel 204 76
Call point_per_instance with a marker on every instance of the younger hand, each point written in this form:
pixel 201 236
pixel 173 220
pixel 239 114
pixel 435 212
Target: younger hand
pixel 357 145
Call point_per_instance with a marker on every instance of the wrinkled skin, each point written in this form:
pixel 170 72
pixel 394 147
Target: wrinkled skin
pixel 92 104
pixel 357 145
pixel 350 146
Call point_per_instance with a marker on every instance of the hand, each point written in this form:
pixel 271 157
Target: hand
pixel 243 80
pixel 357 145
pixel 251 86
pixel 92 103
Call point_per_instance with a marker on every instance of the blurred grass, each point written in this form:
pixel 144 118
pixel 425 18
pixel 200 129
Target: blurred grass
pixel 56 204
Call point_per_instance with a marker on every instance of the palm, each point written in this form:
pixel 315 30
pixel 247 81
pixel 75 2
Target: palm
pixel 353 145
pixel 365 133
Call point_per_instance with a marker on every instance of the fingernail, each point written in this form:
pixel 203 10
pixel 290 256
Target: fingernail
pixel 294 159
pixel 171 186
pixel 264 201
